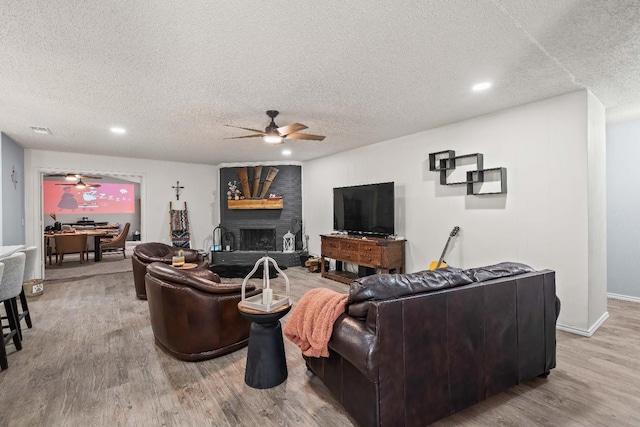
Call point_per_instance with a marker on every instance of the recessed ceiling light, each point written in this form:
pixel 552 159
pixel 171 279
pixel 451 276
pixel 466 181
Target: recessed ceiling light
pixel 40 130
pixel 481 86
pixel 286 152
pixel 119 131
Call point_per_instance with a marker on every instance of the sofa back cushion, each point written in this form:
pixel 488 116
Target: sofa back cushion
pixel 496 271
pixel 379 287
pixel 199 278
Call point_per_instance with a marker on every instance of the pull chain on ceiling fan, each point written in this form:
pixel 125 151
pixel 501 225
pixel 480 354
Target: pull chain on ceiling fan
pixel 274 134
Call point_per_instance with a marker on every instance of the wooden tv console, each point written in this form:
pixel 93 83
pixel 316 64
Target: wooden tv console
pixel 382 254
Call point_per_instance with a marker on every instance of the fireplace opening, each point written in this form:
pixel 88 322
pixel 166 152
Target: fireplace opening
pixel 258 239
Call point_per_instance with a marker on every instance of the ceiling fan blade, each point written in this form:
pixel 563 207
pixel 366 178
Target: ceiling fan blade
pixel 94 185
pixel 305 136
pixel 257 135
pixel 71 175
pixel 292 128
pixel 249 129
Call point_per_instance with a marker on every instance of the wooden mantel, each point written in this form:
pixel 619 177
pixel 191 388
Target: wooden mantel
pixel 255 204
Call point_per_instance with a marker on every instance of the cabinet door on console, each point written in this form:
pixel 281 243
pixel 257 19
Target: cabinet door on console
pixel 349 250
pixel 370 254
pixel 330 248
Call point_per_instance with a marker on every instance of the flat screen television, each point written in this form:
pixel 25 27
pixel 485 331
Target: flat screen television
pixel 365 209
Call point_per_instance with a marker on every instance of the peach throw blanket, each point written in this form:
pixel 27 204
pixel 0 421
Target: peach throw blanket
pixel 311 321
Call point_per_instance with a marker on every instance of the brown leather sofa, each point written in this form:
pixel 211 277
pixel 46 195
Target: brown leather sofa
pixel 146 253
pixel 193 315
pixel 415 348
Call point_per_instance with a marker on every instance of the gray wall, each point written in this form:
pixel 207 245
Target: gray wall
pixel 13 216
pixel 287 183
pixel 623 208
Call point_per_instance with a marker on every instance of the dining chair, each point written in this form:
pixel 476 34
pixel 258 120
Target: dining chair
pixel 10 287
pixel 31 254
pixel 71 244
pixel 117 243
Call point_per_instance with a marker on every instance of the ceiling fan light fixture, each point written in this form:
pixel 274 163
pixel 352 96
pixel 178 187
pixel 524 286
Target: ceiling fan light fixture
pixel 272 139
pixel 481 86
pixel 118 130
pixel 81 185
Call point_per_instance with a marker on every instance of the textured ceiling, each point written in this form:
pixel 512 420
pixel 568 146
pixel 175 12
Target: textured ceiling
pixel 173 73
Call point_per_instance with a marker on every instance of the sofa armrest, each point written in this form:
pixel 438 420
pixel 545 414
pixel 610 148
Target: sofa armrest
pixel 355 342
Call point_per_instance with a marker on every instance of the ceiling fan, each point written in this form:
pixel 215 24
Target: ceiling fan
pixel 80 184
pixel 274 134
pixel 71 176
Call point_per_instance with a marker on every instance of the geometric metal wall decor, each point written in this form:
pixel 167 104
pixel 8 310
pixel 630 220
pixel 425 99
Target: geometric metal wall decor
pixel 443 161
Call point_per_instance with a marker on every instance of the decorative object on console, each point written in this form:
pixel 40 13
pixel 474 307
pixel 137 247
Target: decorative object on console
pixel 446 161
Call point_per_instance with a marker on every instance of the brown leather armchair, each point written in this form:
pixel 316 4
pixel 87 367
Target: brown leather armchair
pixel 193 315
pixel 146 253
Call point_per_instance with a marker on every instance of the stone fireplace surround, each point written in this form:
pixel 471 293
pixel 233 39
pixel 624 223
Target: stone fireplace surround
pixel 288 184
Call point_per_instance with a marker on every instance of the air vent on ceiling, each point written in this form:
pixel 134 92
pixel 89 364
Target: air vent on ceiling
pixel 40 130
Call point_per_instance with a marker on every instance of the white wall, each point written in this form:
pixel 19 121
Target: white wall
pixel 623 209
pixel 597 181
pixel 200 192
pixel 543 221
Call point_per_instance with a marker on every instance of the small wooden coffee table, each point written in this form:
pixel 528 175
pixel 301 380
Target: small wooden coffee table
pixel 266 361
pixel 187 266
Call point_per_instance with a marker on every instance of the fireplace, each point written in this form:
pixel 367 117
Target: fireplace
pixel 258 239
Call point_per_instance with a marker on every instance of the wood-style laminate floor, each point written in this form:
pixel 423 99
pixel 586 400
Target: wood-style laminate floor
pixel 90 359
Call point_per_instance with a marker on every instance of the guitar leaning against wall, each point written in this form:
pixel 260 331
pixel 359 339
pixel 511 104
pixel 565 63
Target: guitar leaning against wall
pixel 440 263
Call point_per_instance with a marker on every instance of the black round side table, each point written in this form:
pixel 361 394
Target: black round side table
pixel 266 361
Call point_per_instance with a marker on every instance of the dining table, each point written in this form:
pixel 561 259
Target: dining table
pixel 96 234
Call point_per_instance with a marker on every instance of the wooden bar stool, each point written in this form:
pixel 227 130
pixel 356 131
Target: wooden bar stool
pixel 10 288
pixel 28 278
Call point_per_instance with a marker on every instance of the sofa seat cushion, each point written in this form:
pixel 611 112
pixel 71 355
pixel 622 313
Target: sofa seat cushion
pixel 496 271
pixel 379 287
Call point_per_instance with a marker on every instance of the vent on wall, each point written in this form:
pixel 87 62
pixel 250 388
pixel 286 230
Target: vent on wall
pixel 40 130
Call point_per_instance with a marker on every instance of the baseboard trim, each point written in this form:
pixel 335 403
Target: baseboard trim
pixel 584 332
pixel 623 297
